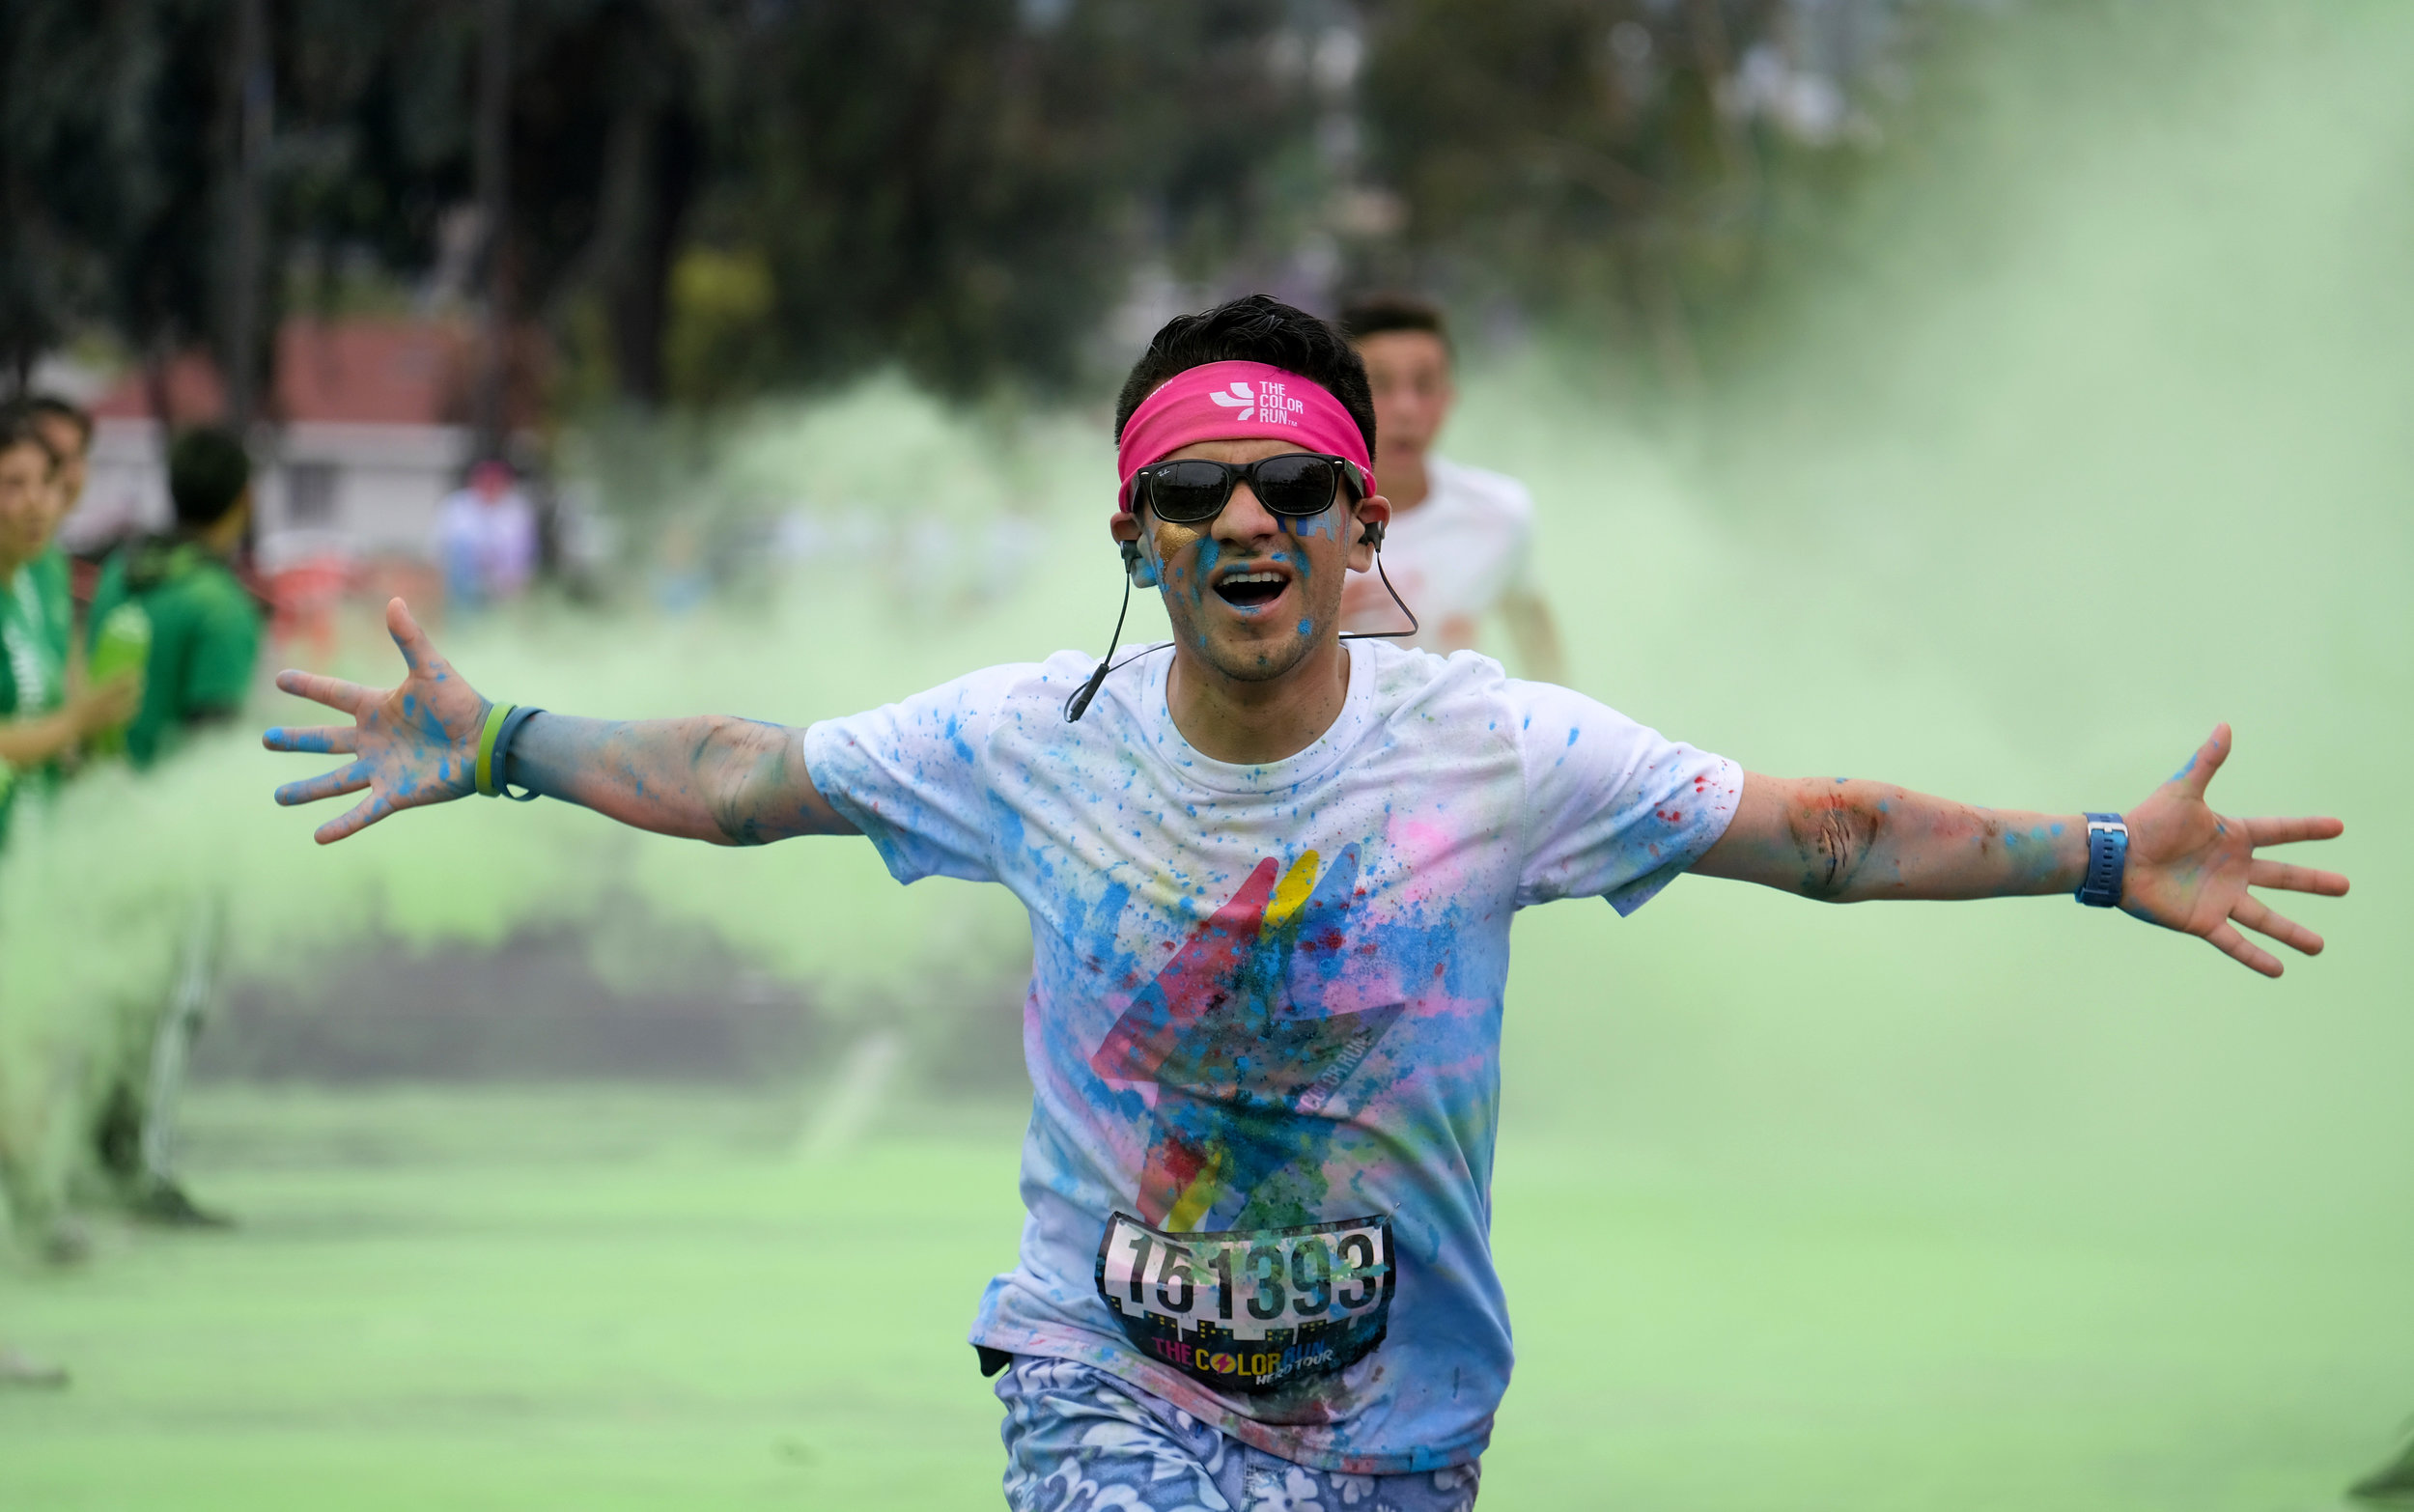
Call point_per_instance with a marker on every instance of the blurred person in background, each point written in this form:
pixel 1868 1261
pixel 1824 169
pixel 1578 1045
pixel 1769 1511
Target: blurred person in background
pixel 175 601
pixel 1271 879
pixel 68 426
pixel 41 721
pixel 44 716
pixel 202 625
pixel 1460 545
pixel 487 538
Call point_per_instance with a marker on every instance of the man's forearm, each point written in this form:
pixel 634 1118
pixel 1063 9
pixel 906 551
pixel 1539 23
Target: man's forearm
pixel 1844 841
pixel 714 778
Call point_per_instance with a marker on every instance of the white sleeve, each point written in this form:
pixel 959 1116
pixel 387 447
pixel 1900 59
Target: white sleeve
pixel 1518 525
pixel 910 775
pixel 1613 809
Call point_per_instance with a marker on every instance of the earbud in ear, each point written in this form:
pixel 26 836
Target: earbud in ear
pixel 1373 535
pixel 1139 569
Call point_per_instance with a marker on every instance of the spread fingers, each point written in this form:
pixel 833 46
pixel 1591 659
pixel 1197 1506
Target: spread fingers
pixel 2286 831
pixel 332 692
pixel 2237 947
pixel 418 653
pixel 349 777
pixel 2267 920
pixel 324 740
pixel 359 817
pixel 2295 879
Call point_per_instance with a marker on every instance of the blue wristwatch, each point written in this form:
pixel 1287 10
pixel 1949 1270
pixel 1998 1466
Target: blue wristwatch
pixel 2107 858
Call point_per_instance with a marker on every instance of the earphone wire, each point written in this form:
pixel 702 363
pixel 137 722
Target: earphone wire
pixel 1397 635
pixel 1077 704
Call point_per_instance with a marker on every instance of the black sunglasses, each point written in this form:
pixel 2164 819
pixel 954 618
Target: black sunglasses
pixel 1193 491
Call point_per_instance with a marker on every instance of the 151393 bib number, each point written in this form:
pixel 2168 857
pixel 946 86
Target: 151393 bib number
pixel 1251 1311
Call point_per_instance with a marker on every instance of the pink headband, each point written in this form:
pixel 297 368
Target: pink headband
pixel 1233 402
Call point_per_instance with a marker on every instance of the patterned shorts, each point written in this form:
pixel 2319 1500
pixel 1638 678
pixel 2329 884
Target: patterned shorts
pixel 1078 1440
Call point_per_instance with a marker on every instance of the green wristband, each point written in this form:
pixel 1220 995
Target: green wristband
pixel 495 715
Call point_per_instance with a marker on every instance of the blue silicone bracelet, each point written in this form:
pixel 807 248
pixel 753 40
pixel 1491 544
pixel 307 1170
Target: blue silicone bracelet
pixel 503 737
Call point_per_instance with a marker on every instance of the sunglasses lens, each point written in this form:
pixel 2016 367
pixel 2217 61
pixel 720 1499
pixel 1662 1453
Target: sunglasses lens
pixel 1184 492
pixel 1294 485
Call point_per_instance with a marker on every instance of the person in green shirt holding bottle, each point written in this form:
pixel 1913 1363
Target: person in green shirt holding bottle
pixel 172 606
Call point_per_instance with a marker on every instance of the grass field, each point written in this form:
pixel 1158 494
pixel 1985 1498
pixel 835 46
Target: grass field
pixel 603 1299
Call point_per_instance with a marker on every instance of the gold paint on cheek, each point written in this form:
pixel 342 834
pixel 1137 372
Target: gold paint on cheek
pixel 1171 542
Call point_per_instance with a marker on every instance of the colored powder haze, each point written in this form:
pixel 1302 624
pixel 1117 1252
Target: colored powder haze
pixel 2089 429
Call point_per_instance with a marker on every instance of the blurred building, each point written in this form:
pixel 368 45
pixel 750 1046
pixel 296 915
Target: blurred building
pixel 367 443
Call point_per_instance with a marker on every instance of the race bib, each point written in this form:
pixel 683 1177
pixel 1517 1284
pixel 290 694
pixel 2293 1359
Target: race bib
pixel 1249 1311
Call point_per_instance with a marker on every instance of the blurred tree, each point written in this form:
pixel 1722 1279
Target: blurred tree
pixel 960 185
pixel 113 123
pixel 65 165
pixel 721 344
pixel 1617 152
pixel 707 197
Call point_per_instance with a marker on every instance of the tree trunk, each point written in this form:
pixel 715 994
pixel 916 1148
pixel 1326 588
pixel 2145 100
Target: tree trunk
pixel 652 167
pixel 494 175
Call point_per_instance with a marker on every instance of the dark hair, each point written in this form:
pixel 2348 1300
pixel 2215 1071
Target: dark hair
pixel 208 472
pixel 18 429
pixel 52 406
pixel 1372 315
pixel 1254 328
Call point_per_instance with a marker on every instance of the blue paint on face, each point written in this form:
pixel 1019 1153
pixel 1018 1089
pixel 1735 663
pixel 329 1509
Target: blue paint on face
pixel 1325 525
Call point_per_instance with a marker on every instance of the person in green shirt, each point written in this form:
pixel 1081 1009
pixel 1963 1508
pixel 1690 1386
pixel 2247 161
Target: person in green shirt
pixel 68 426
pixel 174 597
pixel 204 624
pixel 43 715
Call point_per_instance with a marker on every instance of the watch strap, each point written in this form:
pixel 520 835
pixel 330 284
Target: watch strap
pixel 2107 860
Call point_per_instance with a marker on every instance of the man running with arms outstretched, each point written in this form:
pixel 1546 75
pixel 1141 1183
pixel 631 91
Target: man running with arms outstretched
pixel 1269 878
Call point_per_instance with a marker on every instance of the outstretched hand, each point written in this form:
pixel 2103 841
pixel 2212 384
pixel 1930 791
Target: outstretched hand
pixel 2189 868
pixel 414 744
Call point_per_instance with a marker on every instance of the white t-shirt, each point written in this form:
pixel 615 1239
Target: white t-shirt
pixel 1264 1021
pixel 1453 558
pixel 489 548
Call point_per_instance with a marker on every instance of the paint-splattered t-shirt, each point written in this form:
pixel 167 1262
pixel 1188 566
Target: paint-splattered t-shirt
pixel 1264 1020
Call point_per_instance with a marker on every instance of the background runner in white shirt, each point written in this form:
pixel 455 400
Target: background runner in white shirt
pixel 1461 542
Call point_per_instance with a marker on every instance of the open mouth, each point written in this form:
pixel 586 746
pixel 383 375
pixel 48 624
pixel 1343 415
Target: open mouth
pixel 1250 590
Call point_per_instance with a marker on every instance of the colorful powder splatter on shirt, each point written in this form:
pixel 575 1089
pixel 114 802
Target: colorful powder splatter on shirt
pixel 1263 1027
